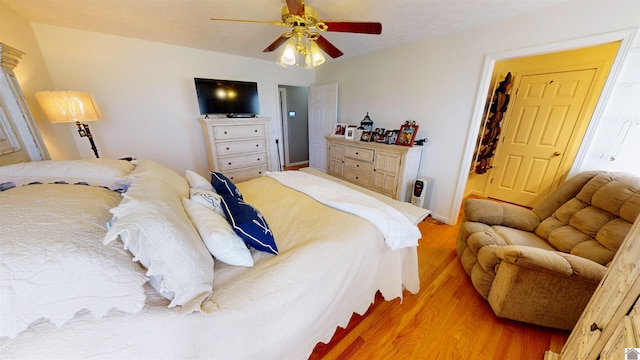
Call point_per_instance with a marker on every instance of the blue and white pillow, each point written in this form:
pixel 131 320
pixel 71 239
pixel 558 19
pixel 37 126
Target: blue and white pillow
pixel 249 224
pixel 207 198
pixel 223 186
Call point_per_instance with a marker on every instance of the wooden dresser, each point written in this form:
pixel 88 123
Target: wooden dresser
pixel 238 148
pixel 387 169
pixel 611 321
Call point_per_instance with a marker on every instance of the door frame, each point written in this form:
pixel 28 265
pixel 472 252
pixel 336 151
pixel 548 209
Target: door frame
pixel 282 95
pixel 624 36
pixel 285 160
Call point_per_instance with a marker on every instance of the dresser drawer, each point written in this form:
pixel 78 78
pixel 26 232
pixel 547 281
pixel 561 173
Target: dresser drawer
pixel 359 153
pixel 240 147
pixel 228 132
pixel 241 161
pixel 237 176
pixel 358 177
pixel 358 165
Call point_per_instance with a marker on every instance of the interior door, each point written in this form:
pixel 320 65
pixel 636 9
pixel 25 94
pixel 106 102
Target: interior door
pixel 543 115
pixel 323 114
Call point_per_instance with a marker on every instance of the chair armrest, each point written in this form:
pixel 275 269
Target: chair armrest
pixel 553 262
pixel 495 213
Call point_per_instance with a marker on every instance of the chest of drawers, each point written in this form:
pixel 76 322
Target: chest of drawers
pixel 386 169
pixel 238 148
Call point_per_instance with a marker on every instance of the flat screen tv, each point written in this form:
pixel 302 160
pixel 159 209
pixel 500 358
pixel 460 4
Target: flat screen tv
pixel 227 97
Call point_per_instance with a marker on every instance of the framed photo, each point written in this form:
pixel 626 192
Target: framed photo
pixel 391 136
pixel 366 136
pixel 339 129
pixel 407 135
pixel 378 135
pixel 350 133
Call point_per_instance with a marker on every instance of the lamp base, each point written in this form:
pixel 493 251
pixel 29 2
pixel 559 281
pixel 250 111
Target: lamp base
pixel 83 130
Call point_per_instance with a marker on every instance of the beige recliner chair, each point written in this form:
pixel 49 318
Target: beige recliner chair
pixel 542 265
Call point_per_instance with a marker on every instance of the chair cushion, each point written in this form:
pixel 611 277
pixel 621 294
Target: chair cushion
pixel 520 237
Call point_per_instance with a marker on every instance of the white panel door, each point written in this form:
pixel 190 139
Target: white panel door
pixel 323 114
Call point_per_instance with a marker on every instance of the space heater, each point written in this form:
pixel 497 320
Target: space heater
pixel 421 190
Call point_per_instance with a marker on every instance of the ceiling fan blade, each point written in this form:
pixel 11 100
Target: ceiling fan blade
pixel 276 44
pixel 296 7
pixel 354 27
pixel 328 47
pixel 252 21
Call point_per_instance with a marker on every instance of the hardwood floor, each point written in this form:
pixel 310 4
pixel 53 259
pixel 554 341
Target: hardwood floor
pixel 295 167
pixel 447 319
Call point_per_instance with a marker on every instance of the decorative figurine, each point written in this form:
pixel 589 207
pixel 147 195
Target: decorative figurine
pixel 367 123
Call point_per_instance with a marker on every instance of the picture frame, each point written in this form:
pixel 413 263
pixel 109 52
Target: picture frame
pixel 391 136
pixel 378 135
pixel 407 135
pixel 350 132
pixel 366 136
pixel 339 129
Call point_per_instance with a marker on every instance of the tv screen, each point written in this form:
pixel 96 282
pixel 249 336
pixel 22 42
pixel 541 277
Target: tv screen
pixel 228 97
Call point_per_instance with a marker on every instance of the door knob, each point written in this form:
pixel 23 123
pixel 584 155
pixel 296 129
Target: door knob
pixel 557 153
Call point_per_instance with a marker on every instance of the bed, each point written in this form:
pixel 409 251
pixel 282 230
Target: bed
pixel 114 259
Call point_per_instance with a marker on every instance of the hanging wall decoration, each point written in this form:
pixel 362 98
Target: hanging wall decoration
pixel 490 132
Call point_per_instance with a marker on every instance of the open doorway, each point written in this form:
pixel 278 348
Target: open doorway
pixel 532 148
pixel 625 36
pixel 294 117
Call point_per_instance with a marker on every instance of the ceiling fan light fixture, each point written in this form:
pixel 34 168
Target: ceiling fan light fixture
pixel 301 47
pixel 317 58
pixel 288 56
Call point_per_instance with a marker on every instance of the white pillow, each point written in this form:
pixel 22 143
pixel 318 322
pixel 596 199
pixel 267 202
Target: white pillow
pixel 161 175
pixel 155 228
pixel 197 181
pixel 210 199
pixel 108 173
pixel 218 236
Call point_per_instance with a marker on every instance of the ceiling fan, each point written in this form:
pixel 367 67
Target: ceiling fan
pixel 302 19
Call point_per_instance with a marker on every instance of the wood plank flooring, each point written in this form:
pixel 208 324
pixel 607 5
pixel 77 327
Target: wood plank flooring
pixel 447 319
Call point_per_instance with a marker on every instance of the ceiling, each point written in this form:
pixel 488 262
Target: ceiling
pixel 186 22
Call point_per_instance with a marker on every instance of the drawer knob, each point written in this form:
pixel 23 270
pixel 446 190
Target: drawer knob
pixel 357 153
pixel 258 159
pixel 257 145
pixel 595 327
pixel 225 133
pixel 357 178
pixel 260 172
pixel 256 130
pixel 229 163
pixel 227 148
pixel 357 165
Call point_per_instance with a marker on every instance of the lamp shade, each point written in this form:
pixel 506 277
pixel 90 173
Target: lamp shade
pixel 68 106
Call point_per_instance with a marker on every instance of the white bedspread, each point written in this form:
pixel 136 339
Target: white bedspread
pixel 397 230
pixel 331 264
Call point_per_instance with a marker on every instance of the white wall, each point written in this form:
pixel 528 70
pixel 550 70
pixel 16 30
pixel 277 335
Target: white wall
pixel 32 75
pixel 146 92
pixel 436 82
pixel 616 144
